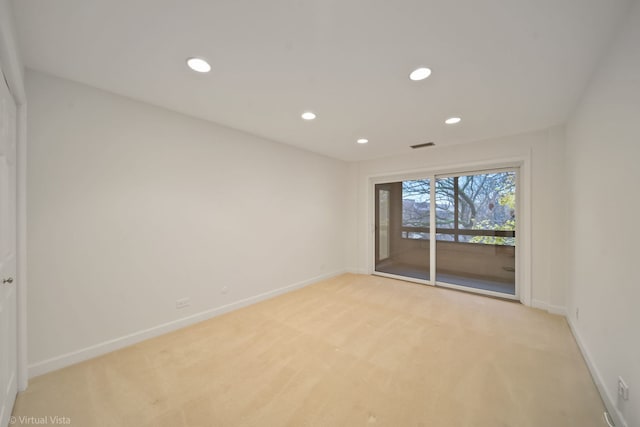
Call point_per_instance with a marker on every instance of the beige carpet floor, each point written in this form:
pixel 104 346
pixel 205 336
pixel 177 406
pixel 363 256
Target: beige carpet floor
pixel 355 350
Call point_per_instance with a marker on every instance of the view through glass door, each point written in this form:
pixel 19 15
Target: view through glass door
pixel 402 228
pixel 474 238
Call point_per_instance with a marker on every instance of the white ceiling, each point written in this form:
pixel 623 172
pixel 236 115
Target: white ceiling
pixel 504 66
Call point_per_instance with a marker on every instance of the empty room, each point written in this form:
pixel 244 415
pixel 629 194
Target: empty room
pixel 319 213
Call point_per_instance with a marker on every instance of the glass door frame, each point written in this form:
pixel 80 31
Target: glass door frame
pixel 516 295
pixel 523 245
pixel 390 180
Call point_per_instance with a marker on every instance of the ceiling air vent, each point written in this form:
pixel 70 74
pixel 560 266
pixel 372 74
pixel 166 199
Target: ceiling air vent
pixel 426 144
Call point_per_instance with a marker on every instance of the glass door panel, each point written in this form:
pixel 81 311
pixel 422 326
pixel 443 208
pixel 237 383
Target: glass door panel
pixel 384 211
pixel 402 228
pixel 476 231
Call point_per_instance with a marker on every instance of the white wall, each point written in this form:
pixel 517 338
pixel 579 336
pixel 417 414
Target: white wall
pixel 603 153
pixel 131 207
pixel 542 150
pixel 13 71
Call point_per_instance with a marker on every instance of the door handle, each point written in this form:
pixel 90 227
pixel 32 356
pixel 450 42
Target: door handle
pixel 9 280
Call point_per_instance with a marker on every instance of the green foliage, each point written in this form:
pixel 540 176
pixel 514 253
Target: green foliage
pixel 507 192
pixel 509 225
pixel 508 199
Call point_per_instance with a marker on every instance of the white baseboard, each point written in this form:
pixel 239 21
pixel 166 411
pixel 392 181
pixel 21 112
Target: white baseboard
pixel 608 400
pixel 87 353
pixel 549 308
pixel 556 309
pixel 539 304
pixel 357 270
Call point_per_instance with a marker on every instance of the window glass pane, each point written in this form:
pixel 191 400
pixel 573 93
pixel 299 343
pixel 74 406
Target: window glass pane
pixel 416 235
pixel 489 240
pixel 383 224
pixel 445 237
pixel 445 203
pixel 487 202
pixel 415 203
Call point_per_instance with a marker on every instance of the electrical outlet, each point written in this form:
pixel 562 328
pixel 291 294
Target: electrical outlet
pixel 182 303
pixel 623 389
pixel 225 290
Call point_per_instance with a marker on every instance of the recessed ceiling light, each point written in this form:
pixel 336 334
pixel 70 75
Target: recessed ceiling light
pixel 420 74
pixel 308 115
pixel 362 141
pixel 199 65
pixel 453 120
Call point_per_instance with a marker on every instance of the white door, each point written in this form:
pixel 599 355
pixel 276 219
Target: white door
pixel 8 322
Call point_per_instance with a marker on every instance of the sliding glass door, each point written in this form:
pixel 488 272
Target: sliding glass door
pixel 475 231
pixel 474 238
pixel 402 228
